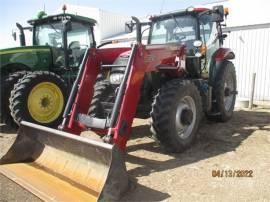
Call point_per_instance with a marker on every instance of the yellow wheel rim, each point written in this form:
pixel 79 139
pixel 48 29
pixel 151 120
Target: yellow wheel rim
pixel 45 102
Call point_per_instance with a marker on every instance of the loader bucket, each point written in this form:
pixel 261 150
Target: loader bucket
pixel 58 166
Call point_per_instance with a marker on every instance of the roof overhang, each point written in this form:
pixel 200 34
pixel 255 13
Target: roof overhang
pixel 59 17
pixel 188 11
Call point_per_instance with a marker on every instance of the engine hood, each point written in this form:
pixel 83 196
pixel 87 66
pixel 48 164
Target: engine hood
pixel 24 49
pixel 26 58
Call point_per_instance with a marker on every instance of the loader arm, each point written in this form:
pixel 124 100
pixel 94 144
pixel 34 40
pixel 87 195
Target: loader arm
pixel 143 59
pixel 147 59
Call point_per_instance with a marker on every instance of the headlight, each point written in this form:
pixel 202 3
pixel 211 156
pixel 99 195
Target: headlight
pixel 116 78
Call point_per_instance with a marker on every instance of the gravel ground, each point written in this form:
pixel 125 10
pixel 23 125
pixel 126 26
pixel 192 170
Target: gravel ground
pixel 240 144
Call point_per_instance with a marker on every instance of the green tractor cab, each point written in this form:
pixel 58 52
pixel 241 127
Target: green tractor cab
pixel 35 80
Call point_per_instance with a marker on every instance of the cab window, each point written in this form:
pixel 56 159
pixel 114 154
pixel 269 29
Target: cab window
pixel 180 29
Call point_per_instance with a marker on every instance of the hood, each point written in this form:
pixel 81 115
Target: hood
pixel 24 49
pixel 25 58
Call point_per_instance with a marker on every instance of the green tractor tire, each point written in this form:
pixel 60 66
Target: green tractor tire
pixel 39 97
pixel 7 85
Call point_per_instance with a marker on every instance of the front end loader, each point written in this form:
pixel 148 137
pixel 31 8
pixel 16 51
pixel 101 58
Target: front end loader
pixel 182 73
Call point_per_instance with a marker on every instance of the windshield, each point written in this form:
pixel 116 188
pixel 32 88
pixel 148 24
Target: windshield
pixel 173 30
pixel 79 38
pixel 52 34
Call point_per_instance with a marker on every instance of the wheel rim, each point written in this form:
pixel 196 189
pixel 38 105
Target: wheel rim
pixel 228 95
pixel 184 129
pixel 45 102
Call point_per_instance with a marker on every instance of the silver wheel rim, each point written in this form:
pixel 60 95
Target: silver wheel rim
pixel 228 99
pixel 184 131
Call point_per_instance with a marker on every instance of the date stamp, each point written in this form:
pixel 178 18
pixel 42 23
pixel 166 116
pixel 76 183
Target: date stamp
pixel 232 173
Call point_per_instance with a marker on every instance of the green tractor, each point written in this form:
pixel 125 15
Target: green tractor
pixel 35 80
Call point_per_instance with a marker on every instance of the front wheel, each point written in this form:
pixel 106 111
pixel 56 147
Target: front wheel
pixel 176 114
pixel 39 97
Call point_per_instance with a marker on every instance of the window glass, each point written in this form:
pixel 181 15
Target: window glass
pixel 79 38
pixel 208 29
pixel 49 34
pixel 80 34
pixel 209 36
pixel 173 30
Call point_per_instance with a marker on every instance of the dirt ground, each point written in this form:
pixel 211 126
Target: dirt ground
pixel 240 144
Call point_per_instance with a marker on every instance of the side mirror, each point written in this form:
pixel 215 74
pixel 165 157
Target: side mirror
pixel 218 14
pixel 129 27
pixel 14 35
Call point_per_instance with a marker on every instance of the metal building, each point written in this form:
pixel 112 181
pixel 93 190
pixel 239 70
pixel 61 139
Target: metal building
pixel 108 23
pixel 251 45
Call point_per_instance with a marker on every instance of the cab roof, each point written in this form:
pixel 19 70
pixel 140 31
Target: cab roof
pixel 188 11
pixel 58 17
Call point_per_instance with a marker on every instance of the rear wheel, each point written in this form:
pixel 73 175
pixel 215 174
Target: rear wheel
pixel 224 93
pixel 7 85
pixel 176 114
pixel 39 97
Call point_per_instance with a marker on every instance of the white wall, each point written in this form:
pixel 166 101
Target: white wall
pixel 246 12
pixel 251 45
pixel 252 50
pixel 108 23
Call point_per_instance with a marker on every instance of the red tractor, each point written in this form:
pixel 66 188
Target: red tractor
pixel 182 73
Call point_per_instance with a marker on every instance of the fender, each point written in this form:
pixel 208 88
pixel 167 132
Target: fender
pixel 10 68
pixel 221 55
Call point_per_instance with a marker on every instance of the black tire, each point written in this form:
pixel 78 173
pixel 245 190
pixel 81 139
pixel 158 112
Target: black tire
pixel 103 92
pixel 19 101
pixel 170 102
pixel 224 90
pixel 7 85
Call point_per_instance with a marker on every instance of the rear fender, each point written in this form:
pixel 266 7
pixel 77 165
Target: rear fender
pixel 221 55
pixel 14 67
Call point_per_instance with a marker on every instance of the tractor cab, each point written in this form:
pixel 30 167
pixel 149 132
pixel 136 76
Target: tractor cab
pixel 67 35
pixel 198 29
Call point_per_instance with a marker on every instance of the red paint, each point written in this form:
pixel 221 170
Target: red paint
pixel 199 10
pixel 146 59
pixel 108 55
pixel 224 54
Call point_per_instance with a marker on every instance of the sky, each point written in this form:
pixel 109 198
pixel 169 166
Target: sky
pixel 12 11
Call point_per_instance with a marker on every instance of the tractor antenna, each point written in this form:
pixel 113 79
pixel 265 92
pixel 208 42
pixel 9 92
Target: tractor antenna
pixel 162 6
